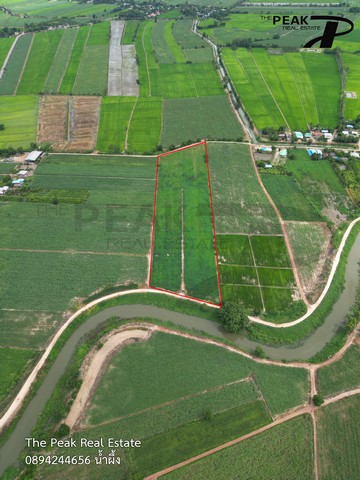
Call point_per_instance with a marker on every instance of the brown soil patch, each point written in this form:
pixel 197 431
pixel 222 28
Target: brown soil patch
pixel 69 123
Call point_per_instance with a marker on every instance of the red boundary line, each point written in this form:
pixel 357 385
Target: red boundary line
pixel 212 221
pixel 213 224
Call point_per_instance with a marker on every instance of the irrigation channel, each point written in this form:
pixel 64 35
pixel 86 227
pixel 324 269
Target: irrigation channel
pixel 12 448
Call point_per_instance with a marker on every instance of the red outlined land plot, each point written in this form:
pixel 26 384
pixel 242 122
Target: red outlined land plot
pixel 184 257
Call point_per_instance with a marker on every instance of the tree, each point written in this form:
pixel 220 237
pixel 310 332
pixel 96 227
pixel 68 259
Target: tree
pixel 318 400
pixel 259 352
pixel 233 316
pixel 2 126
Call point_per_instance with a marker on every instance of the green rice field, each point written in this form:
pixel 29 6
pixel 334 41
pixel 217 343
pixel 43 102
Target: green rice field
pixel 114 119
pixel 352 66
pixel 9 80
pixel 183 226
pixel 19 115
pixel 43 50
pixel 256 271
pixel 190 119
pixel 282 90
pixel 74 61
pixel 144 132
pixel 5 45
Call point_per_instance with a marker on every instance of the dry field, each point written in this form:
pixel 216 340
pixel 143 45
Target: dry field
pixel 69 123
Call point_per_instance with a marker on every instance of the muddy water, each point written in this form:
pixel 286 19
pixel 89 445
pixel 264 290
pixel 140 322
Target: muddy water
pixel 16 442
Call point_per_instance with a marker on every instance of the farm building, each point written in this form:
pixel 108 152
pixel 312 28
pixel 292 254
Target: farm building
pixel 307 135
pixel 328 136
pixel 3 190
pixel 354 154
pixel 266 149
pixel 283 153
pixel 299 135
pixel 33 156
pixel 349 126
pixel 315 151
pixel 22 173
pixel 345 132
pixel 268 165
pixel 18 183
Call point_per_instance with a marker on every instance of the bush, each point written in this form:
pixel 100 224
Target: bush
pixel 318 400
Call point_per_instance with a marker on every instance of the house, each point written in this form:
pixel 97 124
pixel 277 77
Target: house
pixel 345 132
pixel 266 149
pixel 354 154
pixel 268 165
pixel 33 156
pixel 22 173
pixel 324 131
pixel 307 135
pixel 18 183
pixel 299 135
pixel 3 190
pixel 315 151
pixel 328 136
pixel 283 153
pixel 349 126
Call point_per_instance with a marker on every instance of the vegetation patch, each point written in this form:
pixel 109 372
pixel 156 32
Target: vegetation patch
pixel 19 115
pixel 146 124
pixel 15 65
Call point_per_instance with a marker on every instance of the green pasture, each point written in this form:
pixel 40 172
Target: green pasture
pixel 238 275
pixel 114 119
pixel 146 124
pixel 183 211
pixel 342 375
pixel 175 48
pixel 19 115
pixel 39 62
pixel 282 452
pixel 350 42
pixel 161 366
pixel 199 55
pixel 12 72
pixel 129 33
pixel 184 36
pixel 338 432
pixel 189 119
pixel 240 204
pixel 276 277
pixel 6 168
pixel 94 59
pixel 319 183
pixel 290 199
pixel 162 49
pixel 61 61
pixel 248 295
pixel 307 243
pixel 74 61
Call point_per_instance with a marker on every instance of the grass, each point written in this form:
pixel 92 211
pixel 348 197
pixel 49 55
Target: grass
pixel 341 375
pixel 240 205
pixel 281 90
pixel 338 439
pixel 194 438
pixel 61 60
pixel 162 49
pixel 183 193
pixel 320 184
pixel 19 115
pixel 37 67
pixel 290 200
pixel 175 48
pixel 74 62
pixel 161 366
pixel 114 118
pixel 283 452
pixel 204 117
pixel 8 81
pixel 146 124
pixel 95 58
pixel 236 274
pixel 249 296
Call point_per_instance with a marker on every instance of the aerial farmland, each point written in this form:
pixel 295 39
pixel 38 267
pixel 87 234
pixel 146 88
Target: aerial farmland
pixel 179 242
